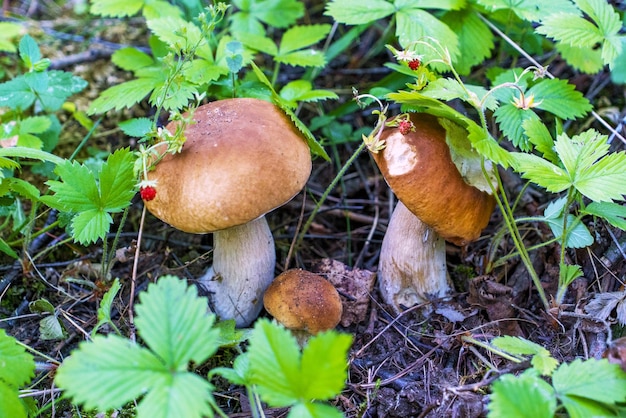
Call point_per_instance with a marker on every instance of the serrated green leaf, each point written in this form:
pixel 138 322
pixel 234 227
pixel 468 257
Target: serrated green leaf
pixel 137 127
pixel 239 374
pixel 303 58
pixel 110 371
pixel 609 25
pixel 511 120
pixel 517 345
pixel 545 174
pixel 116 8
pixel 568 273
pixel 613 213
pixel 357 12
pixel 302 36
pixel 17 366
pixel 578 236
pixel 117 181
pixel 176 32
pixel 445 89
pixel 324 365
pixel 41 306
pixel 592 379
pixel 314 410
pixel 34 124
pixel 559 98
pixel 16 94
pixel 475 38
pixel 131 59
pixel 123 95
pixel 584 59
pixel 78 192
pixel 275 364
pixel 523 396
pixel 277 13
pixel 545 364
pixel 593 173
pixel 570 29
pixel 531 10
pixel 185 395
pixel 24 189
pixel 175 323
pixel 90 225
pixel 585 408
pixel 413 24
pixel 538 135
pixel 58 87
pixel 11 406
pixel 29 51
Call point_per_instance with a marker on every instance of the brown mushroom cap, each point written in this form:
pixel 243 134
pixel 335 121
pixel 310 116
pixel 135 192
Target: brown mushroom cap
pixel 242 158
pixel 419 169
pixel 301 300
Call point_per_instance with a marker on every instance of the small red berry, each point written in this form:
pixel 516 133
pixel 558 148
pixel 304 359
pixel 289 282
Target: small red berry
pixel 405 126
pixel 147 193
pixel 414 64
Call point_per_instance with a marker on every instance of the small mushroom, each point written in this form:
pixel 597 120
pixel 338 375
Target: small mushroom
pixel 242 158
pixel 443 195
pixel 303 302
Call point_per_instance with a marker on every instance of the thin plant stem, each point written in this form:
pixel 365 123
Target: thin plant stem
pixel 133 277
pixel 330 187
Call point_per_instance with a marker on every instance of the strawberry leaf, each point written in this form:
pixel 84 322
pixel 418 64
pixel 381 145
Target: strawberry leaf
pixel 526 395
pixel 17 366
pixel 110 371
pixel 93 197
pixel 593 379
pixel 559 98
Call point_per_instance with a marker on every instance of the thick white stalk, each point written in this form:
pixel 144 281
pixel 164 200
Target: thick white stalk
pixel 243 266
pixel 412 264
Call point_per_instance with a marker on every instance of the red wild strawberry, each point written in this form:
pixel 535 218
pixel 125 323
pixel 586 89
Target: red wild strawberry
pixel 147 193
pixel 405 126
pixel 414 64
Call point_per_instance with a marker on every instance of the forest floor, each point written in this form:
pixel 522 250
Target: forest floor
pixel 416 364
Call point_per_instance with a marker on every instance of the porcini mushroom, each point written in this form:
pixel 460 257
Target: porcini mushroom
pixel 303 302
pixel 242 158
pixel 443 195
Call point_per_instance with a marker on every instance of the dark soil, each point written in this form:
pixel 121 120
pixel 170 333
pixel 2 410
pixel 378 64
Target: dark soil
pixel 416 364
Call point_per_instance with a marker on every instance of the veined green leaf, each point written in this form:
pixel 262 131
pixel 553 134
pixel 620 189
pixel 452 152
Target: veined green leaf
pixel 117 181
pixel 131 59
pixel 578 236
pixel 18 366
pixel 175 324
pixel 275 364
pixel 137 127
pixel 108 372
pixel 568 273
pixel 591 379
pixel 511 121
pixel 276 13
pixel 538 135
pixel 111 371
pixel 303 58
pixel 526 395
pixel 531 10
pixel 475 38
pixel 77 193
pixel 324 365
pixel 356 12
pixel 547 175
pixel 302 36
pixel 176 32
pixel 570 29
pixel 613 213
pixel 559 98
pixel 116 8
pixel 122 95
pixel 584 59
pixel 414 24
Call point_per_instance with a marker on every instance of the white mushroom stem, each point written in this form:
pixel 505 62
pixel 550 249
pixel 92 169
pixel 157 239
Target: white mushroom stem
pixel 412 266
pixel 243 267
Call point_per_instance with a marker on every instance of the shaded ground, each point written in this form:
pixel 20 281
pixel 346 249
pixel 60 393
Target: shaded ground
pixel 412 365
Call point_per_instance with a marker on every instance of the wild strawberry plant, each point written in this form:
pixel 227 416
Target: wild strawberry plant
pixel 177 329
pixel 582 388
